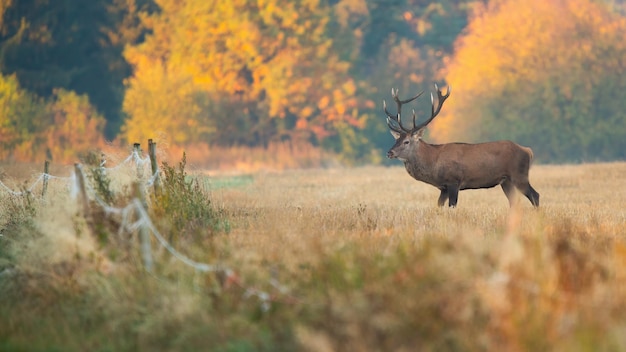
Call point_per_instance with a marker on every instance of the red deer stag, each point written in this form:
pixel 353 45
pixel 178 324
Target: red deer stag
pixel 457 166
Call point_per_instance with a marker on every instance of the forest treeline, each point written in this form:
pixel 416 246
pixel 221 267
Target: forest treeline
pixel 76 74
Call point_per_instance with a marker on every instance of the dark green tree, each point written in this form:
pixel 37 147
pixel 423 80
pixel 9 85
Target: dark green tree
pixel 75 45
pixel 393 44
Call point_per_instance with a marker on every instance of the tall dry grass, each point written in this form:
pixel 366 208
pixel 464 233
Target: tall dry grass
pixel 369 262
pixel 514 279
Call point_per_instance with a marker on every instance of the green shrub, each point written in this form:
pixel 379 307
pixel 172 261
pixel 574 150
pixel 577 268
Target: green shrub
pixel 99 178
pixel 183 206
pixel 17 216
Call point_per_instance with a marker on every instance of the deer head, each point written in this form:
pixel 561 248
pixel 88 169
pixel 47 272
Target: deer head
pixel 407 140
pixel 453 167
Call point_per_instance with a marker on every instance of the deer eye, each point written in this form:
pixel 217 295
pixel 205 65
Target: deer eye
pixel 406 142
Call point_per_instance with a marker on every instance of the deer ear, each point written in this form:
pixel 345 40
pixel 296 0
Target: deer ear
pixel 418 134
pixel 395 134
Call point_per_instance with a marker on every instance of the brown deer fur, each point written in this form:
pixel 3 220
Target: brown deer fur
pixel 457 166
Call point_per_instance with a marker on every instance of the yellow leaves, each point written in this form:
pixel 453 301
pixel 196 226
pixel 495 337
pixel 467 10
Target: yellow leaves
pixel 283 14
pixel 340 109
pixel 306 112
pixel 323 102
pixel 267 58
pixel 163 101
pixel 77 126
pixel 349 88
pixel 511 44
pixel 339 106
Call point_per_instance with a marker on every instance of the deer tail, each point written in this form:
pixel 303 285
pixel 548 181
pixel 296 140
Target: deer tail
pixel 530 153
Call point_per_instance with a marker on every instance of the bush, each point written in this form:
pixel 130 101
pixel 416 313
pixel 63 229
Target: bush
pixel 184 207
pixel 17 216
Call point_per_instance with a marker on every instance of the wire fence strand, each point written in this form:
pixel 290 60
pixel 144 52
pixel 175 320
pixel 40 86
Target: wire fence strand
pixel 141 219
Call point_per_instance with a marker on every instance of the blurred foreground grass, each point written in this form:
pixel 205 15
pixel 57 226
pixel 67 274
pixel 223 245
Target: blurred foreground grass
pixel 356 259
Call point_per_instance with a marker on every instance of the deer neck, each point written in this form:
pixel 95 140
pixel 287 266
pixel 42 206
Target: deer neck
pixel 420 164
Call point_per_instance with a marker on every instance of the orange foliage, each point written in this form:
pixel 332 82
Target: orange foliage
pixel 234 66
pixel 510 46
pixel 76 127
pixel 59 129
pixel 19 113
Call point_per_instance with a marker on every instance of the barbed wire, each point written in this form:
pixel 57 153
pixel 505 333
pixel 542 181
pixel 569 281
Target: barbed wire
pixel 30 189
pixel 139 161
pixel 143 220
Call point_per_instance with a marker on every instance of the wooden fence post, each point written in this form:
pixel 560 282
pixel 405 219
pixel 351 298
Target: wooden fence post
pixel 80 178
pixel 46 166
pixel 154 166
pixel 137 149
pixel 144 232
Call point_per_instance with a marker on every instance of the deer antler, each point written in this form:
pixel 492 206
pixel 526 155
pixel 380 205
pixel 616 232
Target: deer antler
pixel 397 119
pixel 396 125
pixel 434 112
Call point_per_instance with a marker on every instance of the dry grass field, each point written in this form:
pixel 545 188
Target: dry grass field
pixel 354 259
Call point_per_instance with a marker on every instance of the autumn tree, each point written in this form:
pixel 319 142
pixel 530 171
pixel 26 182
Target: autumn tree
pixel 393 44
pixel 74 45
pixel 238 72
pixel 73 127
pixel 60 128
pixel 21 115
pixel 548 74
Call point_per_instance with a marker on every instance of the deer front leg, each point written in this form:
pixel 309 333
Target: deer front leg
pixel 453 194
pixel 443 197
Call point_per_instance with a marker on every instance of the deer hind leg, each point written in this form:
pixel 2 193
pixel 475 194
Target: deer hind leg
pixel 532 195
pixel 509 191
pixel 529 192
pixel 443 197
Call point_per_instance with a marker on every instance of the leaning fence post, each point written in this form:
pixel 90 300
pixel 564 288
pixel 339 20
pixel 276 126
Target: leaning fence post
pixel 154 165
pixel 80 178
pixel 46 166
pixel 137 150
pixel 144 234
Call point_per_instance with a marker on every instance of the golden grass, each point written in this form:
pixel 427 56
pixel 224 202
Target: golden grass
pixel 370 261
pixel 377 202
pixel 540 276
